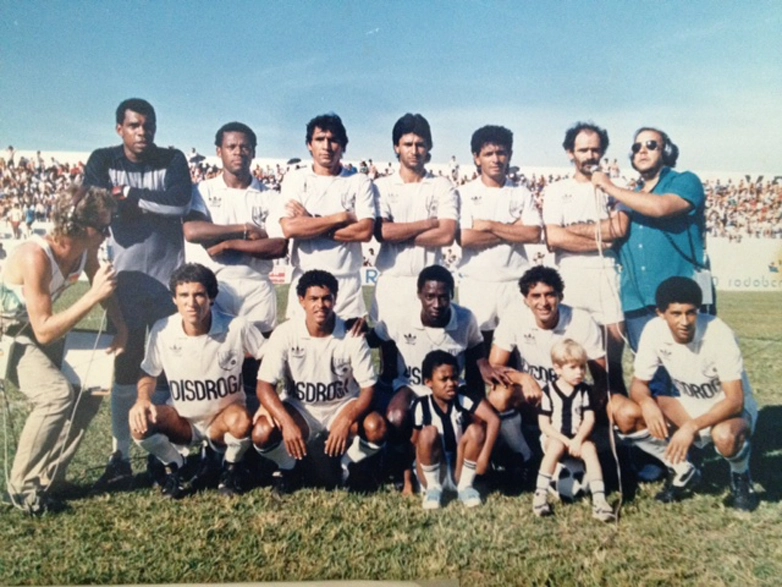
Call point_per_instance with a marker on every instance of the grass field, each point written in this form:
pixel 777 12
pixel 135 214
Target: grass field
pixel 139 537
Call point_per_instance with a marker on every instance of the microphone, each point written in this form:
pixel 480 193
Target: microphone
pixel 590 169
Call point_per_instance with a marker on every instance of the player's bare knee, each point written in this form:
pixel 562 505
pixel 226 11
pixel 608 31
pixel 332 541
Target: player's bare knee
pixel 625 413
pixel 505 397
pixel 428 436
pixel 476 434
pixel 238 423
pixel 375 429
pixel 728 440
pixel 264 434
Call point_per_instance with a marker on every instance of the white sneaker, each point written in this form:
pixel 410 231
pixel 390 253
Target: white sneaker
pixel 432 498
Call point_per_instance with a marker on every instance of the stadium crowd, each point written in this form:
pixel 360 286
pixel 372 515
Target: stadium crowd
pixel 497 382
pixel 733 210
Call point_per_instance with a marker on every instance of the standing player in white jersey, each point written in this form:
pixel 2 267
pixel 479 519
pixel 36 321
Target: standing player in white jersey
pixel 328 380
pixel 201 351
pixel 497 217
pixel 571 207
pixel 713 400
pixel 329 212
pixel 418 214
pixel 232 229
pixel 406 338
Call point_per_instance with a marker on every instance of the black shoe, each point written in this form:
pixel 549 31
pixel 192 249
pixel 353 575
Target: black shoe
pixel 229 480
pixel 678 486
pixel 742 493
pixel 118 474
pixel 172 486
pixel 287 482
pixel 156 471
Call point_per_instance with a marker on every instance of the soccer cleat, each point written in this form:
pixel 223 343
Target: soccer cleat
pixel 470 497
pixel 156 472
pixel 432 498
pixel 287 481
pixel 677 486
pixel 229 480
pixel 117 475
pixel 743 495
pixel 172 483
pixel 541 508
pixel 603 512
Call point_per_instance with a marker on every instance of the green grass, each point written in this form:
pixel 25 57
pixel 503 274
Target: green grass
pixel 140 538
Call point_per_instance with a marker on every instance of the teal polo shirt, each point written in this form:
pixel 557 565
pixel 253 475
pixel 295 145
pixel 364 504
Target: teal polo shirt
pixel 656 248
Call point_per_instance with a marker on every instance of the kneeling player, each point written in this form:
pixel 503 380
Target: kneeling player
pixel 328 379
pixel 713 399
pixel 201 351
pixel 453 434
pixel 566 420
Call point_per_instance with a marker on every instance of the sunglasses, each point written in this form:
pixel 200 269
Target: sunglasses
pixel 650 145
pixel 103 230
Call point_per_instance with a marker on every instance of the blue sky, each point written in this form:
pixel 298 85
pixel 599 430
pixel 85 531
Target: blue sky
pixel 710 73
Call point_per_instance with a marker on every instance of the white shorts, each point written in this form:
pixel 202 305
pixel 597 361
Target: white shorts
pixel 255 300
pixel 594 289
pixel 319 419
pixel 394 294
pixel 696 409
pixel 488 300
pixel 350 298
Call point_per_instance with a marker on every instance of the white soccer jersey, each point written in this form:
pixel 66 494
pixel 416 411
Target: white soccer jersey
pixel 224 205
pixel 566 411
pixel 319 373
pixel 508 204
pixel 324 196
pixel 518 329
pixel 451 424
pixel 204 372
pixel 697 369
pixel 567 202
pixel 397 201
pixel 414 341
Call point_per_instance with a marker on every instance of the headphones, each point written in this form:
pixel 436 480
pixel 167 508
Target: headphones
pixel 670 150
pixel 71 223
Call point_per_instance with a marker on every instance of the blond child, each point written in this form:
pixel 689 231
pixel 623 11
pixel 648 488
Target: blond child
pixel 566 420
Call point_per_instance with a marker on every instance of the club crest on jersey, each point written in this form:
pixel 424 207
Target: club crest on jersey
pixel 259 215
pixel 710 371
pixel 410 338
pixel 514 208
pixel 340 367
pixel 176 349
pixel 297 352
pixel 228 360
pixel 348 200
pixel 431 207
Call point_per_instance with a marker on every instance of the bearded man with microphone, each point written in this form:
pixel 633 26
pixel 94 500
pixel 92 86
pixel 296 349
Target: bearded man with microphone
pixel 572 210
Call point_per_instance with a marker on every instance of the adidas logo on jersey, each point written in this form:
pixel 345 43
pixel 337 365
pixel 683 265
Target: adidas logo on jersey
pixel 297 352
pixel 529 338
pixel 176 349
pixel 410 338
